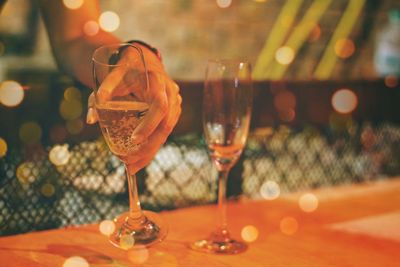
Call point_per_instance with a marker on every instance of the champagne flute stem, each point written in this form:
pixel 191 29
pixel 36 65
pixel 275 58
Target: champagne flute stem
pixel 222 224
pixel 135 209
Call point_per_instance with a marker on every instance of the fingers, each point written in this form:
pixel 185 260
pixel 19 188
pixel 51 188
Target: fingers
pixel 175 101
pixel 147 150
pixel 158 107
pixel 91 116
pixel 110 83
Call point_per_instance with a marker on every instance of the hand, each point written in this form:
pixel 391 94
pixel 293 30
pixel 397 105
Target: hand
pixel 162 97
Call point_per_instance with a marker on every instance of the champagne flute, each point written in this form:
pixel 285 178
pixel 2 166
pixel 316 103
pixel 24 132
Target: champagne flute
pixel 121 80
pixel 227 108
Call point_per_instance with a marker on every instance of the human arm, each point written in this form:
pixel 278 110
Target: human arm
pixel 73 51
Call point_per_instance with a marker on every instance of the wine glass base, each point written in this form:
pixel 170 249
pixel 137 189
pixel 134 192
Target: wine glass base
pixel 132 233
pixel 226 247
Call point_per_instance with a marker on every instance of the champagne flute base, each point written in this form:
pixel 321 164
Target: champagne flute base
pixel 229 246
pixel 145 230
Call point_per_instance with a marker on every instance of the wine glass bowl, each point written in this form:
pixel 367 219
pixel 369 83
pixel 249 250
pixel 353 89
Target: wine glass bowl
pixel 227 102
pixel 121 79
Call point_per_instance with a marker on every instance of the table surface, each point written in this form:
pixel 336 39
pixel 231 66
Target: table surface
pixel 353 225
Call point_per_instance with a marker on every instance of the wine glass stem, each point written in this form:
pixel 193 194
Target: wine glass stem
pixel 222 178
pixel 135 209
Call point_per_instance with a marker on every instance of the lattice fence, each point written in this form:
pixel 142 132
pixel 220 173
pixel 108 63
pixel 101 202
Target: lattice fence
pixel 82 183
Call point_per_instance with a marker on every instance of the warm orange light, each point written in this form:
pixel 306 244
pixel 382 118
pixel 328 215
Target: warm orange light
pixel 73 4
pixel 24 173
pixel 315 34
pixel 47 190
pixel 30 132
pixel 224 3
pixel 270 190
pixel 287 115
pixel 289 225
pixel 368 138
pixel 107 227
pixel 285 100
pixel 109 21
pixel 249 233
pixel 59 155
pixel 391 81
pixel 76 261
pixel 3 147
pixel 91 28
pixel 344 101
pixel 139 255
pixel 344 48
pixel 11 93
pixel 284 55
pixel 126 242
pixel 308 202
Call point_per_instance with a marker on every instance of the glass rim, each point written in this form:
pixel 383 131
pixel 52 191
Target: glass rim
pixel 119 45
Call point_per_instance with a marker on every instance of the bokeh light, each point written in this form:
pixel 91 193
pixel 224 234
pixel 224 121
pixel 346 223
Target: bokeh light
pixel 24 173
pixel 109 21
pixel 344 101
pixel 71 109
pixel 284 100
pixel 391 81
pixel 59 155
pixel 47 190
pixel 73 4
pixel 3 147
pixel 270 190
pixel 11 93
pixel 287 115
pixel 74 126
pixel 107 227
pixel 368 138
pixel 76 261
pixel 308 202
pixel 344 48
pixel 315 34
pixel 285 103
pixel 139 255
pixel 91 28
pixel 289 225
pixel 224 3
pixel 126 242
pixel 284 55
pixel 72 93
pixel 30 132
pixel 249 233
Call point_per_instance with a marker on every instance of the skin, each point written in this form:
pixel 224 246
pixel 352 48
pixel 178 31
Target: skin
pixel 73 52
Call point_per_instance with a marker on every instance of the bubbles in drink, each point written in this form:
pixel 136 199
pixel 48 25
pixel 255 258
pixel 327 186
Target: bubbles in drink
pixel 118 120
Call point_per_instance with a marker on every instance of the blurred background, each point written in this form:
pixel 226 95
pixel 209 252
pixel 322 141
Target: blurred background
pixel 300 39
pixel 326 110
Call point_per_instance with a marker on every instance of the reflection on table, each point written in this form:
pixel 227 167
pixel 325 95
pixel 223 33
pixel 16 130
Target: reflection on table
pixel 353 225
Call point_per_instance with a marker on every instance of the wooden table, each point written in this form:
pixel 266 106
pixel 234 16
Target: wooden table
pixel 355 225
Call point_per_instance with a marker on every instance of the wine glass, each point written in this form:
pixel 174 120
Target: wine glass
pixel 121 79
pixel 227 104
